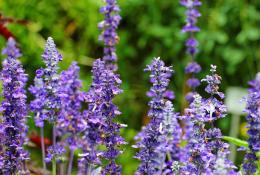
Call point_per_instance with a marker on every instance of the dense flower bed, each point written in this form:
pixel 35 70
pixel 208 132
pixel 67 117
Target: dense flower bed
pixel 85 125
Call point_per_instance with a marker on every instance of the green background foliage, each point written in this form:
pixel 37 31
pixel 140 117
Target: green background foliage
pixel 229 38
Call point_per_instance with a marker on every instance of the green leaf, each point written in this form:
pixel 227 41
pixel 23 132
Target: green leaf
pixel 236 141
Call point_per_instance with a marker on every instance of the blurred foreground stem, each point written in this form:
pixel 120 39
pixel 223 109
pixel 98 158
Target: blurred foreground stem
pixel 70 162
pixel 234 131
pixel 54 144
pixel 54 166
pixel 43 149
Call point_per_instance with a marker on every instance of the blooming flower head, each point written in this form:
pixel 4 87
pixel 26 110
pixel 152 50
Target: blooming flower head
pixel 169 148
pixel 192 44
pixel 47 102
pixel 213 81
pixel 55 151
pixel 109 35
pixel 14 111
pixel 70 120
pixel 191 19
pixel 150 136
pixel 204 144
pixel 253 119
pixel 46 85
pixel 100 115
pixel 223 165
pixel 193 67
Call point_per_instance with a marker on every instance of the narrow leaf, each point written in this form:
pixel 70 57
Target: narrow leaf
pixel 235 141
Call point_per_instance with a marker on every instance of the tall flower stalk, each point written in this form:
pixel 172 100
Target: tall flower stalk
pixel 110 83
pixel 102 111
pixel 70 122
pixel 14 111
pixel 47 102
pixel 253 120
pixel 101 126
pixel 90 159
pixel 149 138
pixel 191 43
pixel 109 35
pixel 205 148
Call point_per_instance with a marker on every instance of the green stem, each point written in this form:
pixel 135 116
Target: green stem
pixel 43 149
pixel 54 166
pixel 234 131
pixel 169 156
pixel 54 144
pixel 258 167
pixel 70 162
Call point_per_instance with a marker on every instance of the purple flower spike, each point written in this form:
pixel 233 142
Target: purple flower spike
pixel 46 84
pixel 70 121
pixel 253 119
pixel 213 81
pixel 102 130
pixel 47 102
pixel 14 111
pixel 206 153
pixel 191 20
pixel 109 35
pixel 149 139
pixel 192 44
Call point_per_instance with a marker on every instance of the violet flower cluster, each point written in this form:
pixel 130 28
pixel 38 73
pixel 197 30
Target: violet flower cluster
pixel 206 153
pixel 70 121
pixel 14 111
pixel 100 116
pixel 193 67
pixel 110 84
pixel 191 19
pixel 46 84
pixel 253 120
pixel 47 102
pixel 101 112
pixel 169 150
pixel 92 137
pixel 150 137
pixel 109 35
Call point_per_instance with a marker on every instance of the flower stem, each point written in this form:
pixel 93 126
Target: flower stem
pixel 43 149
pixel 54 166
pixel 54 144
pixel 88 169
pixel 168 154
pixel 70 162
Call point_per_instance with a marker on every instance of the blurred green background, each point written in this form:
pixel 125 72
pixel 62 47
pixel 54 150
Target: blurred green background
pixel 229 38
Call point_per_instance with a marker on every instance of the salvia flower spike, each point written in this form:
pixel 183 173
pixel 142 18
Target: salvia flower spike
pixel 46 84
pixel 253 120
pixel 70 120
pixel 192 43
pixel 110 83
pixel 47 102
pixel 14 111
pixel 90 159
pixel 109 35
pixel 191 20
pixel 148 139
pixel 205 150
pixel 100 116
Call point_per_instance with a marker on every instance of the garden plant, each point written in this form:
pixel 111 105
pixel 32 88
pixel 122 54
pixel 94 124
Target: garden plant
pixel 80 130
